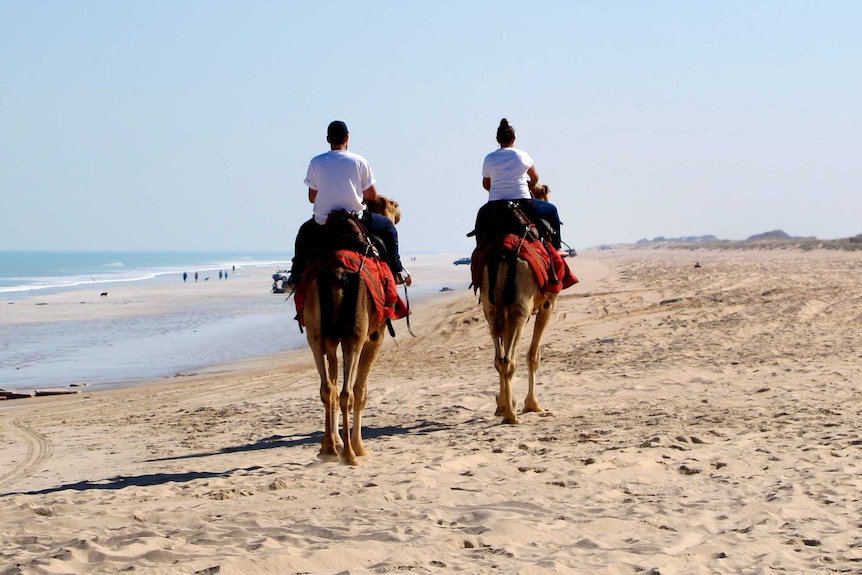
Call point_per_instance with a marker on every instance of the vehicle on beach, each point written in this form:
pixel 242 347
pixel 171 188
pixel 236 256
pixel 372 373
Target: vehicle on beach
pixel 461 261
pixel 279 280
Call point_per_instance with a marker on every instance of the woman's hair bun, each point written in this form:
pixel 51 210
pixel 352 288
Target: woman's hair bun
pixel 505 132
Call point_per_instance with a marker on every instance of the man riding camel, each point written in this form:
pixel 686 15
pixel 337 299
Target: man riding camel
pixel 342 180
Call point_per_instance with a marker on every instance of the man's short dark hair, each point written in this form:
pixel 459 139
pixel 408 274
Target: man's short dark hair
pixel 337 132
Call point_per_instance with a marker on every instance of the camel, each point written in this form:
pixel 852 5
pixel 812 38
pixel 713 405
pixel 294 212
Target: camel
pixel 339 311
pixel 509 297
pixel 360 341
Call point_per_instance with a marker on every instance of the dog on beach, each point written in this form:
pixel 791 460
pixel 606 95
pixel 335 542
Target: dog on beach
pixel 104 294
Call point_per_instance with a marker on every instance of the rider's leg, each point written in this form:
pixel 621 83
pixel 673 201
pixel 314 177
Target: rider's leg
pixel 548 212
pixel 306 238
pixel 382 227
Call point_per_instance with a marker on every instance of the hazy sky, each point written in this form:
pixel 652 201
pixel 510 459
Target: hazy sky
pixel 189 124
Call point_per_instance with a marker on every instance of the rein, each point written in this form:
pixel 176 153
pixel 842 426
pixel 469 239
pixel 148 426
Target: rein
pixel 407 301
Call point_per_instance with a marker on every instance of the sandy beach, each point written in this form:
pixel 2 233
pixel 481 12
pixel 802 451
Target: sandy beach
pixel 700 420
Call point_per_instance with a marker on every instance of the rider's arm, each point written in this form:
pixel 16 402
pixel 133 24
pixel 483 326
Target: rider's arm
pixel 534 178
pixel 369 194
pixel 312 195
pixel 486 183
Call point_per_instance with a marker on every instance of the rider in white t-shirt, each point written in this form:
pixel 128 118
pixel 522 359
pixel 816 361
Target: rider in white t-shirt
pixel 510 174
pixel 341 180
pixel 347 179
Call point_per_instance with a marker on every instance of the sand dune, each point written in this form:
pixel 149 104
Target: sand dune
pixel 700 421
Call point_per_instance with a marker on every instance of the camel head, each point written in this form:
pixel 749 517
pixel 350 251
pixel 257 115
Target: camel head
pixel 385 207
pixel 542 192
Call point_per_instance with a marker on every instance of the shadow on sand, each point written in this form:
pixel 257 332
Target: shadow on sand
pixel 272 442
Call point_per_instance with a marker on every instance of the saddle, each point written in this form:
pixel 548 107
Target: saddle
pixel 511 226
pixel 344 242
pixel 344 231
pixel 502 217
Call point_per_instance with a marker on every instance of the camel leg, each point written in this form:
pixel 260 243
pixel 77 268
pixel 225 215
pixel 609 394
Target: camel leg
pixel 328 389
pixel 360 388
pixel 505 401
pixel 350 350
pixel 503 346
pixel 332 358
pixel 506 367
pixel 534 355
pixel 500 367
pixel 501 362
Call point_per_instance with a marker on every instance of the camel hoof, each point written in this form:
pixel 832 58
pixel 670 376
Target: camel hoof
pixel 511 420
pixel 328 448
pixel 533 408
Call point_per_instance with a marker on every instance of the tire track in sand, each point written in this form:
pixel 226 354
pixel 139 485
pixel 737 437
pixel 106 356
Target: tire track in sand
pixel 39 450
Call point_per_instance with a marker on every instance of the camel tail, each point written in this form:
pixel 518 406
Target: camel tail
pixel 339 291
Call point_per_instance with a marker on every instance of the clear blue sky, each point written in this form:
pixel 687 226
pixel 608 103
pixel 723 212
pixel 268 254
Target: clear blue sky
pixel 189 125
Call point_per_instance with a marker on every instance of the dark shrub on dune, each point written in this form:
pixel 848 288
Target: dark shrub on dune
pixel 773 235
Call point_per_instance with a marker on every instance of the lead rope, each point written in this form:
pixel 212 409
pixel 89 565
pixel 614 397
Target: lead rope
pixel 407 301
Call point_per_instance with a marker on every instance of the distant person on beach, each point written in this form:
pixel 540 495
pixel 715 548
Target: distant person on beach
pixel 342 180
pixel 196 276
pixel 510 174
pixel 185 277
pixel 219 275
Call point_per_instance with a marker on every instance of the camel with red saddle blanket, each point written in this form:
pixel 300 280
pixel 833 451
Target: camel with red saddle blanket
pixel 518 275
pixel 344 300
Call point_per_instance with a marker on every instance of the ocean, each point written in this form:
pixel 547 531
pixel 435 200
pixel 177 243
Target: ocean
pixel 50 271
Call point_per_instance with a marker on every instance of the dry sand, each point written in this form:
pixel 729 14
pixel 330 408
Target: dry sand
pixel 700 421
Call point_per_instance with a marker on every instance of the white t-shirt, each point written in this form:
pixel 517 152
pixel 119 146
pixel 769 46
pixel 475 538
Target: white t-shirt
pixel 507 168
pixel 340 177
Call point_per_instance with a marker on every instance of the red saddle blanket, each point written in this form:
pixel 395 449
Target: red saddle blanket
pixel 534 253
pixel 376 275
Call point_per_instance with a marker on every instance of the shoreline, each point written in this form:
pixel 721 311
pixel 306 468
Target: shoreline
pixel 50 271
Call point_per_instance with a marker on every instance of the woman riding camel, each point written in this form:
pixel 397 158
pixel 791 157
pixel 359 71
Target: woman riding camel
pixel 510 174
